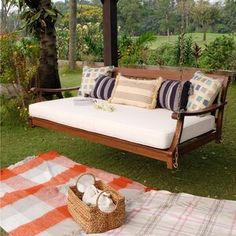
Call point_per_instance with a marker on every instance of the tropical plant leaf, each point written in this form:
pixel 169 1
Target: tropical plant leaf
pixel 51 12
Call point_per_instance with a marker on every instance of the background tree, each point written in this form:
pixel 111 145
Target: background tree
pixel 165 11
pixel 88 13
pixel 72 35
pixel 6 5
pixel 202 15
pixel 185 12
pixel 96 2
pixel 40 17
pixel 129 16
pixel 230 15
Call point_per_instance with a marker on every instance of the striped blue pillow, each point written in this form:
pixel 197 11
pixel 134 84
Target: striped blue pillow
pixel 173 95
pixel 103 87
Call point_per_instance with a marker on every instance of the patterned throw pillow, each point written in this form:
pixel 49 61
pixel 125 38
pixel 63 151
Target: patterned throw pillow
pixel 140 93
pixel 103 87
pixel 173 95
pixel 89 75
pixel 205 91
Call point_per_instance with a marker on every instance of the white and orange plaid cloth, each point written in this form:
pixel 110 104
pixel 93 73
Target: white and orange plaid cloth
pixel 33 202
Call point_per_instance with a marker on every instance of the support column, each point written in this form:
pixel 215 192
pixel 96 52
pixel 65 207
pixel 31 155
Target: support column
pixel 110 32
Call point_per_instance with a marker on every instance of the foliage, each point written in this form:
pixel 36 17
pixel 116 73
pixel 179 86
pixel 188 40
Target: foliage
pixel 89 14
pixel 6 7
pixel 187 51
pixel 197 52
pixel 35 18
pixel 219 54
pixel 229 16
pixel 129 16
pixel 19 62
pixel 89 34
pixel 62 42
pixel 137 17
pixel 135 51
pixel 166 55
pixel 202 15
pixel 90 41
pixel 40 18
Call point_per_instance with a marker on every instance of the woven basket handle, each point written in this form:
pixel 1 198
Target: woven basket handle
pixel 94 180
pixel 106 191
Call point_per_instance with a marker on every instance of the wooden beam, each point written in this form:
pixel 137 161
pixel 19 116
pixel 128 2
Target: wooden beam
pixel 110 32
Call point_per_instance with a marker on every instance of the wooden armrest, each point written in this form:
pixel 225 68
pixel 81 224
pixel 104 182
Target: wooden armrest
pixel 49 90
pixel 214 107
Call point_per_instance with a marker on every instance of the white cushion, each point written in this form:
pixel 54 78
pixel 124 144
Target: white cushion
pixel 153 128
pixel 135 92
pixel 89 76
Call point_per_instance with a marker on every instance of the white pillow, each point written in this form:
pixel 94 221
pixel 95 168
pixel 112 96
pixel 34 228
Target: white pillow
pixel 136 92
pixel 205 90
pixel 89 75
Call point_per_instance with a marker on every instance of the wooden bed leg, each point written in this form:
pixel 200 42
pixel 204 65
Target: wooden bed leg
pixel 169 163
pixel 30 123
pixel 172 159
pixel 219 140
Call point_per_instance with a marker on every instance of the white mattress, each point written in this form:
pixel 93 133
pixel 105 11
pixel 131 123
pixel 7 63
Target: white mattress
pixel 153 128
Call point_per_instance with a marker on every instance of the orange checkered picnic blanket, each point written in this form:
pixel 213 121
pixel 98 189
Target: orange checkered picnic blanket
pixel 33 194
pixel 33 202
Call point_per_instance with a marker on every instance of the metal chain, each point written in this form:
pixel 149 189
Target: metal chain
pixel 176 158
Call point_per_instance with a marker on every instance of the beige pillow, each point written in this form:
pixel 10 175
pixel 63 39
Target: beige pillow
pixel 140 93
pixel 89 76
pixel 205 90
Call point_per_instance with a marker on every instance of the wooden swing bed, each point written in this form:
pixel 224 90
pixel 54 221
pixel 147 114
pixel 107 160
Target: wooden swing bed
pixel 176 149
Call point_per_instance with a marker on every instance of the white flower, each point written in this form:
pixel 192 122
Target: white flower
pixel 105 106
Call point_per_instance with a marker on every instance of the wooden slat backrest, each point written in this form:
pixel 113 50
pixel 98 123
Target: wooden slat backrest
pixel 171 74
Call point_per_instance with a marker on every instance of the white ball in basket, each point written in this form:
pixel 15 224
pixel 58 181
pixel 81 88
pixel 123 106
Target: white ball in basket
pixel 84 182
pixel 105 203
pixel 90 195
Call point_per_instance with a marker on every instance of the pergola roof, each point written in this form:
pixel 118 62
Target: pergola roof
pixel 110 32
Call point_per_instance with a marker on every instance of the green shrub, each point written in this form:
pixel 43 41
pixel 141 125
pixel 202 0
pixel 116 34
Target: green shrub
pixel 7 47
pixel 219 54
pixel 18 63
pixel 188 58
pixel 135 51
pixel 89 42
pixel 62 42
pixel 165 55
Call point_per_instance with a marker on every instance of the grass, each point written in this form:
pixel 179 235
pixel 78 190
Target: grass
pixel 197 37
pixel 70 78
pixel 214 162
pixel 208 171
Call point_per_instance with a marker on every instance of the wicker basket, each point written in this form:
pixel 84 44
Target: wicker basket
pixel 91 218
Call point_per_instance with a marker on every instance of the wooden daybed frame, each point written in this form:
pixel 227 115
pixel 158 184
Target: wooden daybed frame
pixel 170 155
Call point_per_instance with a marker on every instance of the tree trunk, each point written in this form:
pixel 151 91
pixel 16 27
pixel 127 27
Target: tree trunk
pixel 187 22
pixel 168 28
pixel 3 22
pixel 72 27
pixel 204 33
pixel 48 66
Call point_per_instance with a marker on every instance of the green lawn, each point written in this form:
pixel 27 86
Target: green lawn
pixel 208 171
pixel 214 163
pixel 197 37
pixel 70 78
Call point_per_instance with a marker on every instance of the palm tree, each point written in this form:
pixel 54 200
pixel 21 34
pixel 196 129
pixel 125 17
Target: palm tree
pixel 40 17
